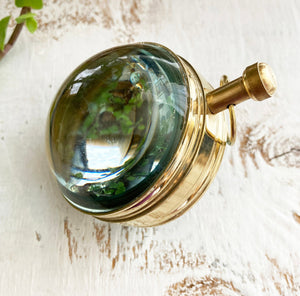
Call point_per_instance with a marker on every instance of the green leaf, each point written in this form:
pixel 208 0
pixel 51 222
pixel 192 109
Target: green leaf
pixel 116 100
pixel 3 27
pixel 108 191
pixel 128 108
pixel 131 178
pixel 132 100
pixel 88 121
pixel 31 24
pixel 22 18
pixel 110 109
pixel 112 130
pixel 94 187
pixel 78 176
pixel 120 188
pixel 125 120
pixel 35 4
pixel 129 130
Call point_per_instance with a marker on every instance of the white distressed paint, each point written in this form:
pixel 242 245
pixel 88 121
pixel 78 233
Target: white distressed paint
pixel 242 232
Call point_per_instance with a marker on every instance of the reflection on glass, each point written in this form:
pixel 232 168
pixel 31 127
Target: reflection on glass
pixel 115 125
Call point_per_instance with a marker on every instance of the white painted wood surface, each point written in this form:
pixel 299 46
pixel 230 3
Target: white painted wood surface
pixel 242 238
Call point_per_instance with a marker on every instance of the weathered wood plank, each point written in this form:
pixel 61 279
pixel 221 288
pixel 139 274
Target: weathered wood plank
pixel 242 238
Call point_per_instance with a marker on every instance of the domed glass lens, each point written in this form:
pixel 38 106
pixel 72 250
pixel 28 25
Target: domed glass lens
pixel 115 125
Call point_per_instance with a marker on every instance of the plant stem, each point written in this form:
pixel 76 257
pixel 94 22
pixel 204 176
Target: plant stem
pixel 15 34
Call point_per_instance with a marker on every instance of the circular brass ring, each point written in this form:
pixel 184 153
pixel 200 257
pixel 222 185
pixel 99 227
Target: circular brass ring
pixel 232 136
pixel 223 80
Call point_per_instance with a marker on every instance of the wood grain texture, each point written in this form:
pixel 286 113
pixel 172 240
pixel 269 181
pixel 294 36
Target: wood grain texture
pixel 242 238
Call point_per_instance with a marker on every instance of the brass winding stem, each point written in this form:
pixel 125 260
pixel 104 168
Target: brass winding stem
pixel 257 82
pixel 231 137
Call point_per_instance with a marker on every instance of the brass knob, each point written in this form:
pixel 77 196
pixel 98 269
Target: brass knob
pixel 257 82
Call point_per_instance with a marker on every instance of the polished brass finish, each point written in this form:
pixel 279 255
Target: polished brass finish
pixel 199 154
pixel 257 82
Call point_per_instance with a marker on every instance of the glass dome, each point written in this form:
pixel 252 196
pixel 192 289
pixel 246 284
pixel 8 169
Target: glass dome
pixel 115 125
